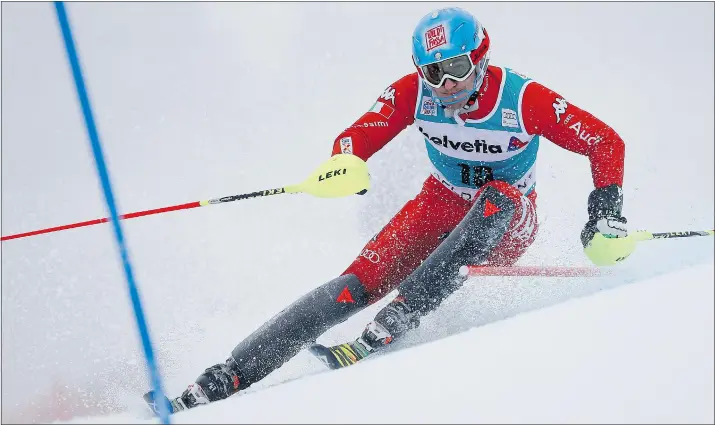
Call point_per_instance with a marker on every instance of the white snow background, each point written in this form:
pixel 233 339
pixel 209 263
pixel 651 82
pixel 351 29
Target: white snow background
pixel 201 100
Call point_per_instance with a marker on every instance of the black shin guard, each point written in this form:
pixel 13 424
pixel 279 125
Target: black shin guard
pixel 300 324
pixel 470 242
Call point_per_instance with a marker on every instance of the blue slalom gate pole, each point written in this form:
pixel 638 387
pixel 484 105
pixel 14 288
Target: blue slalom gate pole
pixel 154 376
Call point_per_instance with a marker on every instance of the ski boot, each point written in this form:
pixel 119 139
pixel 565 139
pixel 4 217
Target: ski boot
pixel 390 323
pixel 216 383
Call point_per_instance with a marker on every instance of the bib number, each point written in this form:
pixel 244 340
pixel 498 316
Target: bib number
pixel 478 175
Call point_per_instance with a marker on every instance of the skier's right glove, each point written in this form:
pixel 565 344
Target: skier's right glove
pixel 340 175
pixel 605 236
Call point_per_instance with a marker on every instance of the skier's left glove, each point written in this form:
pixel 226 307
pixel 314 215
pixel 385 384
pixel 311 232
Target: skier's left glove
pixel 605 236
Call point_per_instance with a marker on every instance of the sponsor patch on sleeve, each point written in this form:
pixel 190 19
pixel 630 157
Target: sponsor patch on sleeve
pixel 560 106
pixel 346 145
pixel 383 109
pixel 388 95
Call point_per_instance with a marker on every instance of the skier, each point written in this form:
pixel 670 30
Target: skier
pixel 482 126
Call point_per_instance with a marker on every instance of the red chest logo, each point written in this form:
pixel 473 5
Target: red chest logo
pixel 435 37
pixel 516 144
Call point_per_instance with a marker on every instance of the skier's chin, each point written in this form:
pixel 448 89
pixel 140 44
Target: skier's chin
pixel 455 106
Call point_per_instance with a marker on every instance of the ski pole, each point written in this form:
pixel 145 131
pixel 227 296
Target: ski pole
pixel 341 175
pixel 552 271
pixel 127 216
pixel 644 235
pixel 566 271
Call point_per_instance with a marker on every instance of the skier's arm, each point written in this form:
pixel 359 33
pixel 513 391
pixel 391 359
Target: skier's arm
pixel 392 113
pixel 604 235
pixel 576 130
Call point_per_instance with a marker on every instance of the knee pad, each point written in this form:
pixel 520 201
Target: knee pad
pixel 524 215
pixel 510 191
pixel 471 242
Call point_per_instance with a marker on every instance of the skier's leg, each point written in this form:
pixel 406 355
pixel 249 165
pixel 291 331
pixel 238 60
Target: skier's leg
pixel 390 256
pixel 408 239
pixel 521 234
pixel 500 226
pixel 279 339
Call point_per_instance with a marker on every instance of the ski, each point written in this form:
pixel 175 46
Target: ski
pixel 341 355
pixel 153 402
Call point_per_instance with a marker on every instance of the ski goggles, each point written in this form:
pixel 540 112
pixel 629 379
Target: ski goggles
pixel 458 68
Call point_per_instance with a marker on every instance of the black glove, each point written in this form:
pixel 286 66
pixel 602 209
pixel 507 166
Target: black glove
pixel 604 214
